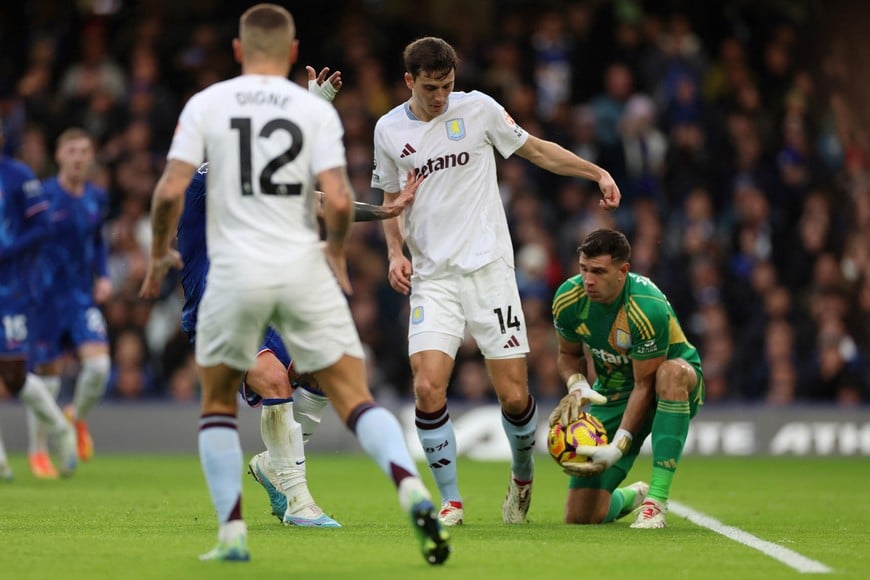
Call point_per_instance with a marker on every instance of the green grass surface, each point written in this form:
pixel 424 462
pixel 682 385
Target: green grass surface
pixel 150 516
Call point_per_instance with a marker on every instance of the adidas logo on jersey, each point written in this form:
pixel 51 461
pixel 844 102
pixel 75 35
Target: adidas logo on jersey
pixel 512 343
pixel 407 150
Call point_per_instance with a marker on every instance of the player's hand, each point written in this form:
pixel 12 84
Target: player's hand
pixel 337 260
pixel 406 196
pixel 320 85
pixel 399 274
pixel 579 395
pixel 610 195
pixel 102 290
pixel 158 268
pixel 601 458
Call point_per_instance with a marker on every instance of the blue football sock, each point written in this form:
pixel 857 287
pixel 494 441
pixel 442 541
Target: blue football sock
pixel 380 435
pixel 438 439
pixel 520 430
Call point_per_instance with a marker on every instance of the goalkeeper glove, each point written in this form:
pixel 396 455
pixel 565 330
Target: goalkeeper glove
pixel 579 395
pixel 601 457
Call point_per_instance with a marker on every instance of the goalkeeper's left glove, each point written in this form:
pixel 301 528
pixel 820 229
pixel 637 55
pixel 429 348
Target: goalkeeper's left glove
pixel 600 457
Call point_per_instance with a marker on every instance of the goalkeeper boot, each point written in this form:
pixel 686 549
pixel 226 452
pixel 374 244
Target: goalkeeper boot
pixel 451 513
pixel 651 515
pixel 517 501
pixel 265 474
pixel 433 538
pixel 640 489
pixel 232 544
pixel 41 466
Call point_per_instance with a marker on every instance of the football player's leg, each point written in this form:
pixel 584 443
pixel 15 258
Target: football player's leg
pixel 90 383
pixel 37 432
pixel 5 470
pixel 381 436
pixel 432 368
pixel 492 304
pixel 90 336
pixel 623 500
pixel 46 329
pixel 282 436
pixel 330 349
pixel 675 379
pixel 36 397
pixel 230 325
pixel 309 402
pixel 591 503
pixel 519 418
pixel 220 454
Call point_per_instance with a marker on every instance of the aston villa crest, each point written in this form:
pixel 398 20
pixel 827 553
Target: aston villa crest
pixel 455 129
pixel 623 339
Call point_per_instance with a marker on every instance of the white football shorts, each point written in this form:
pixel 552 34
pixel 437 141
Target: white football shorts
pixel 486 302
pixel 302 300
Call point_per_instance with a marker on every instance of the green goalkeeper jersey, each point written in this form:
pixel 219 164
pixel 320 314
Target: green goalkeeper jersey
pixel 640 324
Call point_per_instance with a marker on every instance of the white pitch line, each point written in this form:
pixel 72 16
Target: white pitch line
pixel 788 557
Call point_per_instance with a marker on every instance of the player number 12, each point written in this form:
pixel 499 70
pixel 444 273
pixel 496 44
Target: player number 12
pixel 267 186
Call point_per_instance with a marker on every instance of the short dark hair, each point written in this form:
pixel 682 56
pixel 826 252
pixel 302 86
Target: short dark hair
pixel 431 55
pixel 606 242
pixel 267 30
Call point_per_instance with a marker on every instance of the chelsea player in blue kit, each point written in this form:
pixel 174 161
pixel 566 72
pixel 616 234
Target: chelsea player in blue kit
pixel 74 281
pixel 24 227
pixel 291 405
pixel 281 468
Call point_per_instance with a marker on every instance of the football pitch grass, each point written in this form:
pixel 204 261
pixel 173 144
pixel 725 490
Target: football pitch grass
pixel 149 516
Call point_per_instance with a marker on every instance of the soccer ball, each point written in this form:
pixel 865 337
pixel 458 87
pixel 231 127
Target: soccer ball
pixel 563 440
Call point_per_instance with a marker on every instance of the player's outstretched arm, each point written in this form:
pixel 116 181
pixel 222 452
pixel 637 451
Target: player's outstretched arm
pixel 558 160
pixel 166 208
pixel 366 212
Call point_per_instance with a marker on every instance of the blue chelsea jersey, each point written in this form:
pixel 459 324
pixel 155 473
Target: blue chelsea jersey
pixel 76 253
pixel 191 245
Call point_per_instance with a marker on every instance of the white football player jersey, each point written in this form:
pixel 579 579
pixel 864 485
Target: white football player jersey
pixel 457 222
pixel 266 138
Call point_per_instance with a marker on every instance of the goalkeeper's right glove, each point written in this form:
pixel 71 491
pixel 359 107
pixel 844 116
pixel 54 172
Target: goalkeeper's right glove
pixel 579 395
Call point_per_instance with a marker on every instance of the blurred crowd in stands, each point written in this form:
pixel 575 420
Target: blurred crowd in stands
pixel 731 128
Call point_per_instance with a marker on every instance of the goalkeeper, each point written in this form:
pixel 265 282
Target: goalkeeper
pixel 646 379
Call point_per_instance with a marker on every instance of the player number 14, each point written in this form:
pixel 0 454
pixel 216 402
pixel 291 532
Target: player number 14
pixel 505 322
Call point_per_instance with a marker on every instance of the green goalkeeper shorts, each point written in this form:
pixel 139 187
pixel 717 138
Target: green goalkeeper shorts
pixel 610 414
